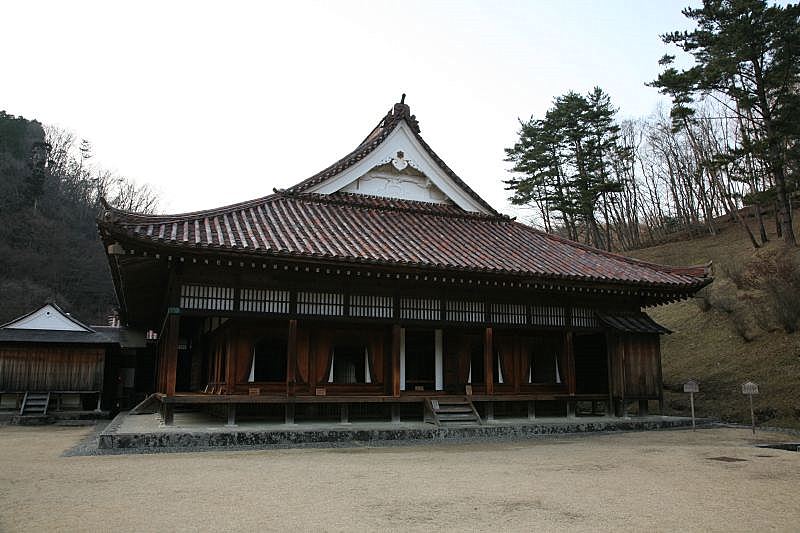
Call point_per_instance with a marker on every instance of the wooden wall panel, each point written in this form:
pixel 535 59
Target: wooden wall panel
pixel 635 365
pixel 50 368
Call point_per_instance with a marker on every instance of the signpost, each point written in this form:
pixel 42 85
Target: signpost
pixel 749 388
pixel 691 387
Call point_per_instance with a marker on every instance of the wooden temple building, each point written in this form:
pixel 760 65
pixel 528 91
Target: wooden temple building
pixel 385 287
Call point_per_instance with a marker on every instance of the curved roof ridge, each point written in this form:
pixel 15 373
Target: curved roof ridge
pixel 702 271
pixel 154 218
pixel 369 201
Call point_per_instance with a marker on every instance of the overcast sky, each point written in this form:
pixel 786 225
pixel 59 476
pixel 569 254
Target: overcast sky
pixel 214 103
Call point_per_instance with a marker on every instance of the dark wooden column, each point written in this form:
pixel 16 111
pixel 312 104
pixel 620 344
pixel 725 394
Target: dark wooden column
pixel 569 363
pixel 488 361
pixel 395 374
pixel 231 358
pixel 291 354
pixel 569 356
pixel 170 353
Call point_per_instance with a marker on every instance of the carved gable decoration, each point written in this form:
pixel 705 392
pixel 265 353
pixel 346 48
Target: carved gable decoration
pixel 401 167
pixel 398 179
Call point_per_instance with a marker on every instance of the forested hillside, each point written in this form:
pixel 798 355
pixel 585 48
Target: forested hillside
pixel 49 247
pixel 744 326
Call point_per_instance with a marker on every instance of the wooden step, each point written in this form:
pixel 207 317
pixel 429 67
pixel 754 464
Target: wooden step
pixel 451 411
pixel 35 403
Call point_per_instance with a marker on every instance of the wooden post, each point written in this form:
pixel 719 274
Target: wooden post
pixel 396 360
pixel 231 415
pixel 289 420
pixel 643 408
pixel 171 351
pixel 490 411
pixel 609 362
pixel 344 413
pixel 291 361
pixel 395 413
pixel 531 410
pixel 230 363
pixel 488 365
pixel 168 413
pixel 569 355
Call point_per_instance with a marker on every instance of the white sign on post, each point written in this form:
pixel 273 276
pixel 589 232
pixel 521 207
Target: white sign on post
pixel 691 387
pixel 749 388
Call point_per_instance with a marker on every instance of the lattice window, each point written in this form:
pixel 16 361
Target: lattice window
pixel 264 301
pixel 207 297
pixel 584 317
pixel 420 308
pixel 547 315
pixel 508 313
pixel 320 303
pixel 465 311
pixel 371 306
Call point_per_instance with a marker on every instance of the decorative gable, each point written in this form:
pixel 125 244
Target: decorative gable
pixel 48 317
pixel 394 162
pixel 401 181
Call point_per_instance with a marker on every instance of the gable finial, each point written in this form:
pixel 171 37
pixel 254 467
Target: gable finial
pixel 403 99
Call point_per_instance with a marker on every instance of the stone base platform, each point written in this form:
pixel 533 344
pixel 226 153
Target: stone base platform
pixel 60 418
pixel 147 432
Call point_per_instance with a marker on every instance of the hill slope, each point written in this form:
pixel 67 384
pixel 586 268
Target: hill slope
pixel 729 333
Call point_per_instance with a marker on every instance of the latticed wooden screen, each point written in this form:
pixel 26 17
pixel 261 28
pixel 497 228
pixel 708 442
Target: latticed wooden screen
pixel 420 308
pixel 320 303
pixel 584 317
pixel 264 301
pixel 207 297
pixel 508 314
pixel 465 311
pixel 547 315
pixel 371 306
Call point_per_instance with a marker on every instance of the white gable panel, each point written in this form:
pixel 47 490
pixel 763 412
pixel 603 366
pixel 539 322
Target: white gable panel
pixel 402 140
pixel 403 186
pixel 48 317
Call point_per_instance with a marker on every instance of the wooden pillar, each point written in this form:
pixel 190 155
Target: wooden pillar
pixel 395 413
pixel 344 413
pixel 291 355
pixel 395 360
pixel 610 343
pixel 231 415
pixel 168 413
pixel 490 411
pixel 488 365
pixel 230 362
pixel 569 356
pixel 531 410
pixel 289 414
pixel 170 352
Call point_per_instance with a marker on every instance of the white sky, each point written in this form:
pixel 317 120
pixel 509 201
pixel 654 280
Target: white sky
pixel 214 103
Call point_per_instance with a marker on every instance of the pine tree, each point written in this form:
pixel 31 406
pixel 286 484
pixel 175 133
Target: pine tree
pixel 747 55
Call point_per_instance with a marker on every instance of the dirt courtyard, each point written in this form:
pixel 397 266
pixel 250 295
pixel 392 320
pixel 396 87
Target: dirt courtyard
pixel 649 481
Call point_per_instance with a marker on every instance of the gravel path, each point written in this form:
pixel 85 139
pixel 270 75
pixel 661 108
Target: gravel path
pixel 654 481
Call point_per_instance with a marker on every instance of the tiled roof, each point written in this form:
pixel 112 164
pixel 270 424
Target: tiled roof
pixel 362 229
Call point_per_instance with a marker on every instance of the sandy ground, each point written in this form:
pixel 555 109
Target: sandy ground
pixel 655 481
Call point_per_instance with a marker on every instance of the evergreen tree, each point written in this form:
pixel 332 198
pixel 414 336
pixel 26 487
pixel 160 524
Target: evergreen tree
pixel 563 163
pixel 747 55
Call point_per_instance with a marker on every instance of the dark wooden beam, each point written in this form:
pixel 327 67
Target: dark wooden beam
pixel 291 363
pixel 171 353
pixel 488 361
pixel 395 374
pixel 569 356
